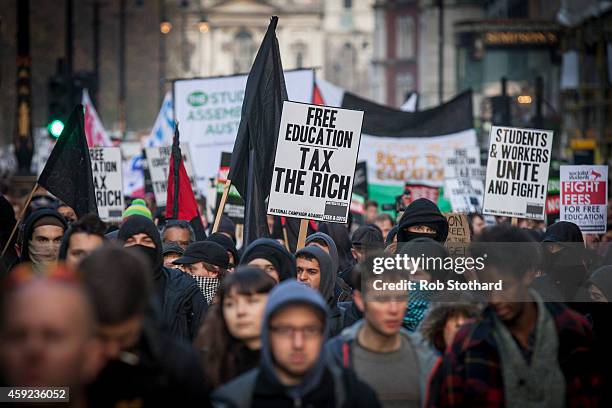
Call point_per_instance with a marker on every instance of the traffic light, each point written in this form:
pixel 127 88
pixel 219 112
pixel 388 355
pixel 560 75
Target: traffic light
pixel 60 104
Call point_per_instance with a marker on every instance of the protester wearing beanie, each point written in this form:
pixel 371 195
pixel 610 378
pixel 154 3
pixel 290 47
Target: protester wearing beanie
pixel 282 261
pixel 138 207
pixel 422 214
pixel 228 244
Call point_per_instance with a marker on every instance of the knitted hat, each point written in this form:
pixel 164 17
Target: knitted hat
pixel 138 206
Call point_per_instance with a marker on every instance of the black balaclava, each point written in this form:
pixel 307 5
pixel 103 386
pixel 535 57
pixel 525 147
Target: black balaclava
pixel 422 212
pixel 565 267
pixel 138 224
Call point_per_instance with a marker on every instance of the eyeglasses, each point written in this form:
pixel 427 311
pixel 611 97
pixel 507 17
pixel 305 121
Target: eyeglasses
pixel 288 332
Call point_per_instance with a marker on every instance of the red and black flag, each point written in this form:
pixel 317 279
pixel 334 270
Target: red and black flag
pixel 255 147
pixel 67 174
pixel 181 203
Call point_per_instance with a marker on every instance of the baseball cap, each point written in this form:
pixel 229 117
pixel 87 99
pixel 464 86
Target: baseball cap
pixel 204 251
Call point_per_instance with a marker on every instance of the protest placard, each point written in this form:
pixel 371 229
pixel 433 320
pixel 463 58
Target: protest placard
pixel 462 163
pixel 584 194
pixel 465 194
pixel 158 160
pixel 458 234
pixel 108 182
pixel 315 162
pixel 234 206
pixel 517 172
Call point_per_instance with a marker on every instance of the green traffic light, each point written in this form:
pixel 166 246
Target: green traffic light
pixel 55 128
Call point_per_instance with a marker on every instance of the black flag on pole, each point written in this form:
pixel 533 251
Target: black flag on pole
pixel 255 147
pixel 67 173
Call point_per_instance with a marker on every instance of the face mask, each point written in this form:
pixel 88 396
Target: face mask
pixel 43 253
pixel 418 302
pixel 208 286
pixel 150 253
pixel 405 236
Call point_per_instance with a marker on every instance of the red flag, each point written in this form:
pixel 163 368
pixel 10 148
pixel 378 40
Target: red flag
pixel 181 203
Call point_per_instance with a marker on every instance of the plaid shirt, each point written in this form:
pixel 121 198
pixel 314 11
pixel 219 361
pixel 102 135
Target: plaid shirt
pixel 469 373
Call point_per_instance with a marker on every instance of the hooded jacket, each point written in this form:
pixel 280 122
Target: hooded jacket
pixel 342 291
pixel 183 304
pixel 249 389
pixel 339 234
pixel 275 253
pixel 326 287
pixel 422 212
pixel 28 229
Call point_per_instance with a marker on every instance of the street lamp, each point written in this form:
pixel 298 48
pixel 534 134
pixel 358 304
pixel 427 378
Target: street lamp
pixel 203 25
pixel 165 26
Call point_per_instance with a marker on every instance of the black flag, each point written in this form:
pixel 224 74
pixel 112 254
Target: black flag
pixel 255 147
pixel 67 174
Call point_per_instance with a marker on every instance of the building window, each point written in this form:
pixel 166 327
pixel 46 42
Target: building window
pixel 404 83
pixel 244 50
pixel 299 50
pixel 348 4
pixel 404 37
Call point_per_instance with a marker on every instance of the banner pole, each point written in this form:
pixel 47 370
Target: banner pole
pixel 23 210
pixel 286 238
pixel 226 189
pixel 302 234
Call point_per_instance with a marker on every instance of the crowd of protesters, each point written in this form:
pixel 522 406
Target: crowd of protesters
pixel 146 314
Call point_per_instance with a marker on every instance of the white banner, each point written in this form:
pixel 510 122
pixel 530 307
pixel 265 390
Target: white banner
pixel 158 160
pixel 517 172
pixel 584 195
pixel 208 111
pixel 315 162
pixel 108 181
pixel 395 161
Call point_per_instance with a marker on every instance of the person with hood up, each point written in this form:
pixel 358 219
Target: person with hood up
pixel 564 262
pixel 339 234
pixel 183 304
pixel 314 269
pixel 342 291
pixel 41 238
pixel 388 358
pixel 270 256
pixel 294 370
pixel 422 218
pixel 366 239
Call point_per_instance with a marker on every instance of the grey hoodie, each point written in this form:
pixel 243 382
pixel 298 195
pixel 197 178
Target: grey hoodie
pixel 333 251
pixel 328 278
pixel 239 392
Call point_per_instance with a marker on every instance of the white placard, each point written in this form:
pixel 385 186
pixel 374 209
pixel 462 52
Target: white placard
pixel 462 163
pixel 107 172
pixel 584 195
pixel 517 172
pixel 208 111
pixel 315 162
pixel 465 194
pixel 158 159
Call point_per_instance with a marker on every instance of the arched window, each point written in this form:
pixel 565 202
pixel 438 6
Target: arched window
pixel 404 37
pixel 244 51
